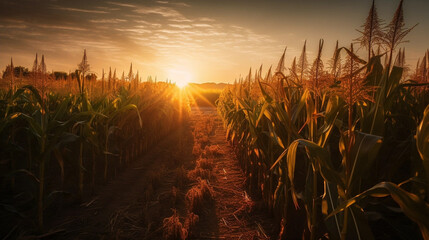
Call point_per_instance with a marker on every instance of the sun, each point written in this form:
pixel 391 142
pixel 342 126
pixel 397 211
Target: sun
pixel 181 77
pixel 182 84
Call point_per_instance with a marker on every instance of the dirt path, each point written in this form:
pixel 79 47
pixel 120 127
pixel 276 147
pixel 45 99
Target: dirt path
pixel 136 204
pixel 237 214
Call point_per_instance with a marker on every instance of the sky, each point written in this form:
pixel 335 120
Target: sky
pixel 189 40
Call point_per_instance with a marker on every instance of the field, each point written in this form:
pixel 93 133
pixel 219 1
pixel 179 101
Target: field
pixel 333 148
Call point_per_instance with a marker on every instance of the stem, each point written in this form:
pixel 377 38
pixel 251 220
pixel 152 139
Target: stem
pixel 345 223
pixel 390 59
pixel 105 169
pixel 42 168
pixel 41 193
pixel 93 171
pixel 81 171
pixel 83 81
pixel 30 157
pixel 314 213
pixel 12 162
pixel 350 116
pixel 349 143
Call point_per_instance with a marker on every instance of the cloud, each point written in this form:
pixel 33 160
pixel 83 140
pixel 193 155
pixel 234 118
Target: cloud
pixel 205 19
pixel 151 33
pixel 181 26
pixel 77 10
pixel 203 25
pixel 61 27
pixel 109 21
pixel 163 11
pixel 14 26
pixel 182 4
pixel 122 4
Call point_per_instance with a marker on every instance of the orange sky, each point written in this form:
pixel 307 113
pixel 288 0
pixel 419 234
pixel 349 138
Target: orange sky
pixel 190 40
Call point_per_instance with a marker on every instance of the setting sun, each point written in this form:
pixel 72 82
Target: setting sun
pixel 188 119
pixel 181 77
pixel 182 84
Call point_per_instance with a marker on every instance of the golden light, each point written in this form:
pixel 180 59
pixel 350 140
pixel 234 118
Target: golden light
pixel 181 77
pixel 182 84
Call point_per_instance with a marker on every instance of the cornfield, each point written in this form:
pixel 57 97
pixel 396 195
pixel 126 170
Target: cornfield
pixel 335 149
pixel 63 138
pixel 341 151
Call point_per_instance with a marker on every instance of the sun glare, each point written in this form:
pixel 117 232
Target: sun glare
pixel 182 84
pixel 181 77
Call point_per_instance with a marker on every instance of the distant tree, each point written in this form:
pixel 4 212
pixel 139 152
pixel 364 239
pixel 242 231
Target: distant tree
pixel 59 75
pixel 74 74
pixel 8 73
pixel 91 76
pixel 19 71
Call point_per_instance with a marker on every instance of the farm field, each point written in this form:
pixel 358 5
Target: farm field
pixel 177 120
pixel 192 170
pixel 168 173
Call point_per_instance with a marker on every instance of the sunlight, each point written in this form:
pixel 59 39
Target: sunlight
pixel 182 84
pixel 181 77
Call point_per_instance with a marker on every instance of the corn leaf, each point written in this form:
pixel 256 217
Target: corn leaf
pixel 413 206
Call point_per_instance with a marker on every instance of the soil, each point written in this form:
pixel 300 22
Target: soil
pixel 135 203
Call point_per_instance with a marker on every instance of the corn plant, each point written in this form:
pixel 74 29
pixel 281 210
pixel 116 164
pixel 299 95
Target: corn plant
pixel 319 139
pixel 50 134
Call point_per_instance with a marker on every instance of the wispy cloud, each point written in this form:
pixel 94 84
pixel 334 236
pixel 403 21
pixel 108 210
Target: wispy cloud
pixel 122 4
pixel 182 26
pixel 163 11
pixel 110 21
pixel 153 34
pixel 61 27
pixel 77 10
pixel 13 26
pixel 182 4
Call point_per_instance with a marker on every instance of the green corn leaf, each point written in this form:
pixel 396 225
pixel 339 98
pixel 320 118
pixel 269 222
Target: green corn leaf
pixel 262 113
pixel 362 154
pixel 422 142
pixel 320 160
pixel 35 93
pixel 329 203
pixel 267 97
pixel 413 206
